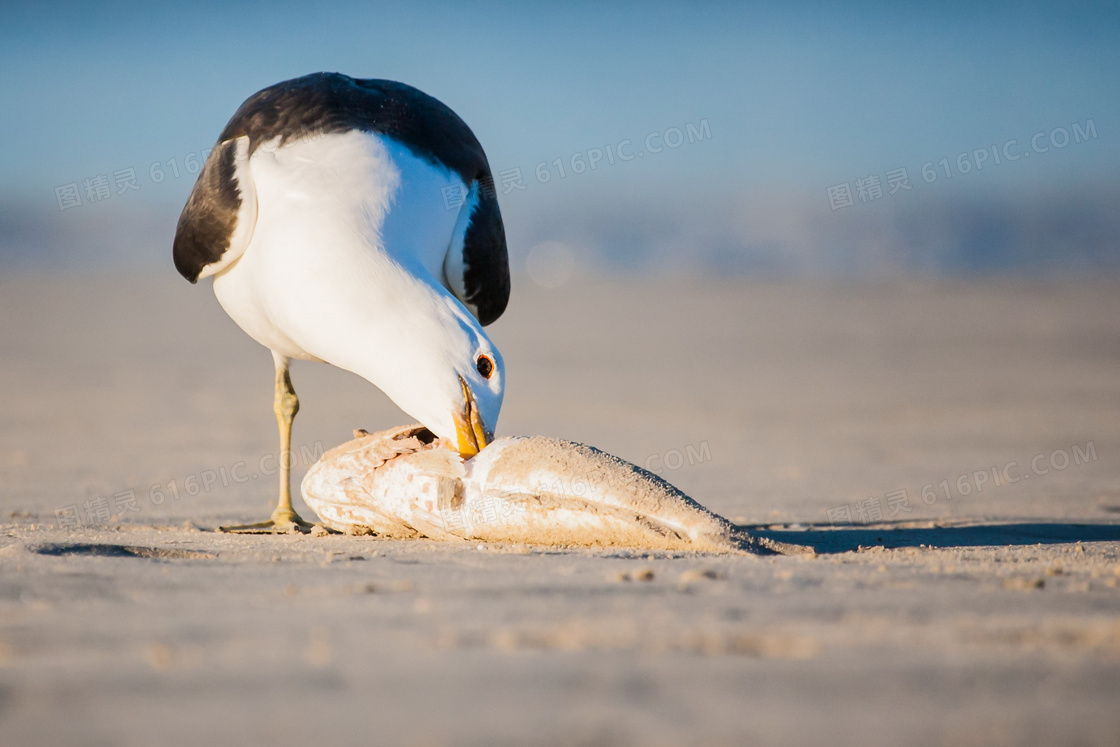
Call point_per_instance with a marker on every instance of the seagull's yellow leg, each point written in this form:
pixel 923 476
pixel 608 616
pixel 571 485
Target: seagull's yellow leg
pixel 285 404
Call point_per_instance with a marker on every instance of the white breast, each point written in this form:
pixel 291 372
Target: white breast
pixel 345 223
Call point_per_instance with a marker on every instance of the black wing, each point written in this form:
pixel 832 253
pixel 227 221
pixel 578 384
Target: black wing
pixel 221 212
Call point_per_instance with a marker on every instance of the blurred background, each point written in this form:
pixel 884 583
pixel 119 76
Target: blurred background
pixel 803 260
pixel 783 140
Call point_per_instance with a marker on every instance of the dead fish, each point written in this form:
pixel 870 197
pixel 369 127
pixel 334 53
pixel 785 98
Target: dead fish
pixel 404 483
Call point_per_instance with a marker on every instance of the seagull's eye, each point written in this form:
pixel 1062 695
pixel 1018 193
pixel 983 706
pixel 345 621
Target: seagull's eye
pixel 485 366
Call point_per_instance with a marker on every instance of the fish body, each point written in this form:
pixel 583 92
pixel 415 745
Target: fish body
pixel 403 483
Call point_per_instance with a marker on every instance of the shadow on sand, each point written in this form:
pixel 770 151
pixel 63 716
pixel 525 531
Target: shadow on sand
pixel 828 538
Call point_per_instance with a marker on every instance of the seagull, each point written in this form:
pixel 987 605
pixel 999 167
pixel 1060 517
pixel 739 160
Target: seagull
pixel 355 222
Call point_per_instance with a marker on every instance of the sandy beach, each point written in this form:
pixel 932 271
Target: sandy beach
pixel 949 450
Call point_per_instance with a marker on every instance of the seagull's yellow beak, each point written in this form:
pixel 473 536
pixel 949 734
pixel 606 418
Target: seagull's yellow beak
pixel 472 434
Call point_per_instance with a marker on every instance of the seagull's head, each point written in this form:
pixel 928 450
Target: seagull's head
pixel 446 373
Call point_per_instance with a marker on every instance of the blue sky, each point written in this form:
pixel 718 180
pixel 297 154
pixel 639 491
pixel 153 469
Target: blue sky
pixel 798 97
